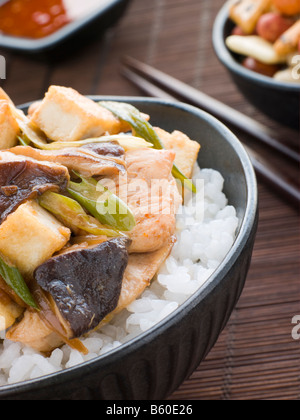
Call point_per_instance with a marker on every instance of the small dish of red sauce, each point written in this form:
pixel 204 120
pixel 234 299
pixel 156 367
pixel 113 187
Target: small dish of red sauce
pixel 36 19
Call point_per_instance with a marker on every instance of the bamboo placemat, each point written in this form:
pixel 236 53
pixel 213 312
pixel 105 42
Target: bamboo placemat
pixel 255 357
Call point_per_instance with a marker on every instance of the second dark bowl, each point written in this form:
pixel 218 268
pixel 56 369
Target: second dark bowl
pixel 279 101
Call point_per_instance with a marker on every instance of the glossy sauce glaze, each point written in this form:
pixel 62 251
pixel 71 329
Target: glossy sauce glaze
pixel 40 18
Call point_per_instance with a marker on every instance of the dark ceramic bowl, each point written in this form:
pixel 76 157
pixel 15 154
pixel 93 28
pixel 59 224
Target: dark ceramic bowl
pixel 71 36
pixel 279 101
pixel 154 364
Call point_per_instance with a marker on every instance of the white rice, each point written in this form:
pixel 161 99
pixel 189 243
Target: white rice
pixel 203 240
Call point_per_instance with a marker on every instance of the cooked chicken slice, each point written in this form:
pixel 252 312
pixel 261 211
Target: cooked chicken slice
pixel 139 273
pixel 23 178
pixel 151 193
pixel 30 236
pixel 85 161
pixel 9 127
pixel 35 333
pixel 65 115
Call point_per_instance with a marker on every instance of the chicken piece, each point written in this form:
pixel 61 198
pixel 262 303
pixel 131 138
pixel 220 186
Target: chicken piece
pixel 246 13
pixel 186 149
pixel 65 115
pixel 153 197
pixel 35 333
pixel 22 179
pixel 84 161
pixel 30 236
pixel 151 193
pixel 9 311
pixel 139 273
pixel 9 127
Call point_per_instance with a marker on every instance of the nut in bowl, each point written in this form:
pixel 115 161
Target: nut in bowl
pixel 198 261
pixel 258 42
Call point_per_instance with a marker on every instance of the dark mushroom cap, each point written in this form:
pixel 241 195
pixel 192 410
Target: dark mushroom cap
pixel 23 179
pixel 85 284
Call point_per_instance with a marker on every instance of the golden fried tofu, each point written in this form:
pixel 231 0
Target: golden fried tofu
pixel 9 127
pixel 65 115
pixel 186 149
pixel 246 13
pixel 30 236
pixel 34 107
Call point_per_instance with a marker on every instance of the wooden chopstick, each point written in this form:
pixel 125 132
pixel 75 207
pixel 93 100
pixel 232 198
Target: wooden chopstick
pixel 264 170
pixel 274 179
pixel 213 106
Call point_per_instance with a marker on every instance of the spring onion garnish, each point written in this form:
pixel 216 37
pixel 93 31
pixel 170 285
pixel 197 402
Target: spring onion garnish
pixel 143 129
pixel 105 206
pixel 125 141
pixel 13 278
pixel 71 214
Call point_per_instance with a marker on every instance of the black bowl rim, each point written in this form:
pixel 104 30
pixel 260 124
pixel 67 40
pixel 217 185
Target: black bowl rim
pixel 39 45
pixel 226 57
pixel 245 232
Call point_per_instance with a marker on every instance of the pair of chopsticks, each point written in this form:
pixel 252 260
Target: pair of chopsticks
pixel 160 85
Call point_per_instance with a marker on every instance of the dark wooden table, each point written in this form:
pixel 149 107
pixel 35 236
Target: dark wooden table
pixel 256 356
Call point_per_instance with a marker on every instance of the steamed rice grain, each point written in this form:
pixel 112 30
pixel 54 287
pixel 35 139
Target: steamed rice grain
pixel 205 235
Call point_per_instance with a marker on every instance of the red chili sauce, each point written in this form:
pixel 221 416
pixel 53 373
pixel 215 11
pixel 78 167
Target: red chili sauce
pixel 40 18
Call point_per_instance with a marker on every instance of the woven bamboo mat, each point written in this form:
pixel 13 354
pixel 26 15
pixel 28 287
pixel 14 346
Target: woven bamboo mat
pixel 255 357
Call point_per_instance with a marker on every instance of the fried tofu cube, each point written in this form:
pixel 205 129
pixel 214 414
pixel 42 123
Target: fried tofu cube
pixel 30 236
pixel 65 115
pixel 186 149
pixel 246 13
pixel 9 127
